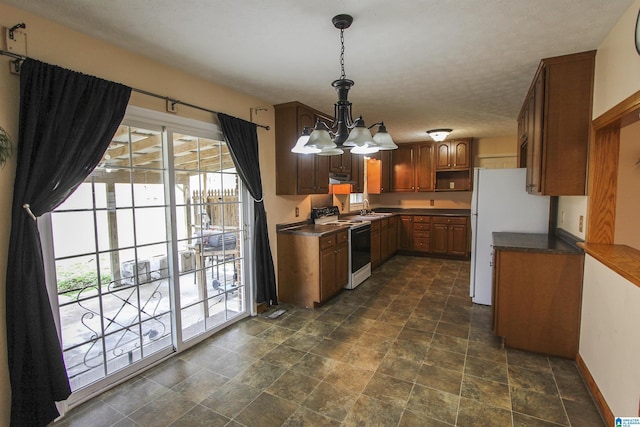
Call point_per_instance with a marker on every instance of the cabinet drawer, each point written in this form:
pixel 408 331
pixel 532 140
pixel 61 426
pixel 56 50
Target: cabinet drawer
pixel 375 225
pixel 327 241
pixel 343 236
pixel 449 219
pixel 421 244
pixel 421 226
pixel 422 219
pixel 421 234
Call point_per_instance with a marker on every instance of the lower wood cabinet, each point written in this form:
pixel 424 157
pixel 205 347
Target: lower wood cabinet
pixel 405 231
pixel 449 236
pixel 537 301
pixel 393 235
pixel 312 269
pixel 376 259
pixel 421 233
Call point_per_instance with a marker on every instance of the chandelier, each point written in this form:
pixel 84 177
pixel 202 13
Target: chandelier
pixel 344 132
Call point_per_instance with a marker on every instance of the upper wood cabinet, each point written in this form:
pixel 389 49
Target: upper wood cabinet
pixel 412 167
pixel 455 154
pixel 341 164
pixel 379 172
pixel 554 125
pixel 298 173
pixel 453 165
pixel 357 173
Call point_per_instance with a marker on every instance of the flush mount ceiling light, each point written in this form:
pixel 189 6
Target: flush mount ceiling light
pixel 439 134
pixel 344 132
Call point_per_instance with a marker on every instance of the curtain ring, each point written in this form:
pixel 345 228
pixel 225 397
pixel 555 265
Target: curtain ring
pixel 28 209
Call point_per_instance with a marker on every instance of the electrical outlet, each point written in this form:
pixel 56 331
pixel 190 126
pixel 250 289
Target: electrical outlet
pixel 297 212
pixel 562 217
pixel 432 202
pixel 581 225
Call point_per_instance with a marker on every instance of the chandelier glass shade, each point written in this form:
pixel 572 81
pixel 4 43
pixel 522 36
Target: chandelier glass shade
pixel 344 132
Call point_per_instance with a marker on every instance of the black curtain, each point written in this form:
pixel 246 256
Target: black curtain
pixel 67 120
pixel 242 139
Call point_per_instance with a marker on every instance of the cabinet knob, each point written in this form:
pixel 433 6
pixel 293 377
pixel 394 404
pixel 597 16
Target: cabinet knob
pixel 412 188
pixel 449 165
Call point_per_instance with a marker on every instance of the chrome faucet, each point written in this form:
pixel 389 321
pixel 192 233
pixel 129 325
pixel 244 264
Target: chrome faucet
pixel 366 208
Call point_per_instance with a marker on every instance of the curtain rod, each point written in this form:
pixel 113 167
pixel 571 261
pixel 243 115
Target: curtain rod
pixel 18 58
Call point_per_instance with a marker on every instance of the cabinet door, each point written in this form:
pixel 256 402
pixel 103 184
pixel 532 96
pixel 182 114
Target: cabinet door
pixel 384 239
pixel 393 235
pixel 460 154
pixel 405 241
pixel 457 240
pixel 375 248
pixel 340 164
pixel 342 266
pixel 327 273
pixel 357 173
pixel 378 180
pixel 443 157
pixel 534 145
pixel 403 169
pixel 321 177
pixel 424 167
pixel 439 238
pixel 306 174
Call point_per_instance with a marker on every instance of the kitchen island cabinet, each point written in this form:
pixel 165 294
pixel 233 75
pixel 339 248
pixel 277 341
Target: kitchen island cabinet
pixel 537 293
pixel 312 268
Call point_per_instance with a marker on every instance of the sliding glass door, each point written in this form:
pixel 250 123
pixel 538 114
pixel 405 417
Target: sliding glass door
pixel 147 256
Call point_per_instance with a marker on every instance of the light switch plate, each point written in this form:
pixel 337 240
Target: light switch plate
pixel 18 44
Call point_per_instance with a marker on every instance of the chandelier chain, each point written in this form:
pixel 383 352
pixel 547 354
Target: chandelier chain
pixel 343 75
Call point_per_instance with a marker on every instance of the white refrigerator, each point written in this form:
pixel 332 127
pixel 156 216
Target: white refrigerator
pixel 500 202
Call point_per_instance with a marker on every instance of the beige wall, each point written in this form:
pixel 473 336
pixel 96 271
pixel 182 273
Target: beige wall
pixel 59 45
pixel 609 326
pixel 609 342
pixel 627 201
pixel 617 73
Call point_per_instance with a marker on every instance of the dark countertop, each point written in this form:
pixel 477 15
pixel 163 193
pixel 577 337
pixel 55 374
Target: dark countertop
pixel 530 242
pixel 426 211
pixel 312 229
pixel 305 227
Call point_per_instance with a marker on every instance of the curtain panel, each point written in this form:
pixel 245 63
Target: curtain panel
pixel 67 120
pixel 242 139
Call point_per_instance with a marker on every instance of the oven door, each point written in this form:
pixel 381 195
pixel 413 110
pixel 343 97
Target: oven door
pixel 360 247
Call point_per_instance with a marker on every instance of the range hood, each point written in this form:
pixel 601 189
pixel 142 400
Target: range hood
pixel 340 178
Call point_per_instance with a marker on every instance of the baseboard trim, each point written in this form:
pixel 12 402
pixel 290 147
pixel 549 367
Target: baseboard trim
pixel 601 403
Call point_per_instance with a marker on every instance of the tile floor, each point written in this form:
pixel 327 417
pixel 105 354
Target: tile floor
pixel 406 348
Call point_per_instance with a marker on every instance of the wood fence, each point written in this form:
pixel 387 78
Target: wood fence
pixel 221 206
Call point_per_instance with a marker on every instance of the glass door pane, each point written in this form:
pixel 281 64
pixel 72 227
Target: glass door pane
pixel 210 234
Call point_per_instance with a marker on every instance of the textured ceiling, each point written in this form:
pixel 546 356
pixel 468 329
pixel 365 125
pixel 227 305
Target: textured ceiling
pixel 417 64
